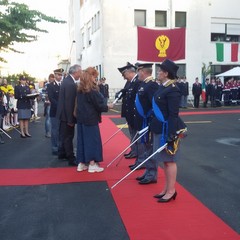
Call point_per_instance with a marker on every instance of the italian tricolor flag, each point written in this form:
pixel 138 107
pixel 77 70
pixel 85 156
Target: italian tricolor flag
pixel 227 52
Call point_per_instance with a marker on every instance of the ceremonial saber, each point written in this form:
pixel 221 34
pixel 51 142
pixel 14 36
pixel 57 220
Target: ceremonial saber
pixel 115 133
pixel 126 148
pixel 137 133
pixel 118 97
pixel 15 129
pixel 5 133
pixel 158 151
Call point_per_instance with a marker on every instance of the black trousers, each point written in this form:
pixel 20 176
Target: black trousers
pixel 66 135
pixel 196 101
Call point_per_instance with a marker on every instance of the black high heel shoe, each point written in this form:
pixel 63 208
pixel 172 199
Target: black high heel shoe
pixel 162 200
pixel 159 195
pixel 28 135
pixel 22 136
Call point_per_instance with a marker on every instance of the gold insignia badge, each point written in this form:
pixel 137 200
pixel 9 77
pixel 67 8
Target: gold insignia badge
pixel 162 44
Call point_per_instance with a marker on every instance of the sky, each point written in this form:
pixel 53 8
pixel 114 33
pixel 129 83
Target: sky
pixel 41 57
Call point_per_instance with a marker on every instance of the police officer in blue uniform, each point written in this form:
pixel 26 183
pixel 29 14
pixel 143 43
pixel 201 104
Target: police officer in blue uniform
pixel 143 112
pixel 128 107
pixel 53 89
pixel 165 125
pixel 21 93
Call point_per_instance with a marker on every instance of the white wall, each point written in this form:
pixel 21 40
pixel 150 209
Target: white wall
pixel 115 42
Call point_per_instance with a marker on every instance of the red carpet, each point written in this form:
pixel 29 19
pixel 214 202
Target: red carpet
pixel 144 218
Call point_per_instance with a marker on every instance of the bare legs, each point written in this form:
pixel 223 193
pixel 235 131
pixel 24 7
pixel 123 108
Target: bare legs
pixel 170 172
pixel 24 127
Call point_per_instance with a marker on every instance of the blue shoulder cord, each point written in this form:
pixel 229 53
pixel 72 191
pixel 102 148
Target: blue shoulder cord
pixel 145 117
pixel 160 118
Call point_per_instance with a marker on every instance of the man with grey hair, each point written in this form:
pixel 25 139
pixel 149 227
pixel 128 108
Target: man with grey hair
pixel 65 109
pixel 128 103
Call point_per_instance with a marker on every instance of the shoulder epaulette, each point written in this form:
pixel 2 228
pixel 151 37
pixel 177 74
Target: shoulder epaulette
pixel 171 82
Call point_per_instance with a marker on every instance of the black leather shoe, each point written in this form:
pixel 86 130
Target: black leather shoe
pixel 22 136
pixel 126 154
pixel 28 135
pixel 132 155
pixel 140 178
pixel 159 195
pixel 162 200
pixel 132 165
pixel 147 181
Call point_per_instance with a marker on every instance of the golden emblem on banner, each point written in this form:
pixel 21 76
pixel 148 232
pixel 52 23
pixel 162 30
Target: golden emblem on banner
pixel 162 44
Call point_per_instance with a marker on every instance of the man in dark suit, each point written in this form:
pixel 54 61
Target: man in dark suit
pixel 196 91
pixel 65 109
pixel 53 89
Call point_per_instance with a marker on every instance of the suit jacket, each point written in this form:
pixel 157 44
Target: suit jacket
pixel 20 93
pixel 197 89
pixel 53 94
pixel 66 101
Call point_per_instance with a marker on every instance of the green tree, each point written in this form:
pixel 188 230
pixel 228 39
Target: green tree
pixel 18 23
pixel 14 78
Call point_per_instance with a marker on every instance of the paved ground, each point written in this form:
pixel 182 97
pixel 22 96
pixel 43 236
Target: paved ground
pixel 210 163
pixel 209 168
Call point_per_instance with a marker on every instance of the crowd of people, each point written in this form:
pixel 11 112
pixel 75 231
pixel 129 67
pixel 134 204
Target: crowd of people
pixel 150 107
pixel 218 93
pixel 18 104
pixel 212 93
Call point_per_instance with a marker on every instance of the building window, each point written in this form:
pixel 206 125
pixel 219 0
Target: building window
pixel 140 17
pixel 98 20
pixel 180 19
pixel 94 24
pixel 223 32
pixel 82 40
pixel 160 18
pixel 181 70
pixel 89 41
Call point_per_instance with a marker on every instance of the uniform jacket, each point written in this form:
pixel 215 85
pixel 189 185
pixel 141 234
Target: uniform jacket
pixel 89 107
pixel 145 93
pixel 184 89
pixel 124 99
pixel 167 99
pixel 130 100
pixel 66 102
pixel 53 89
pixel 20 93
